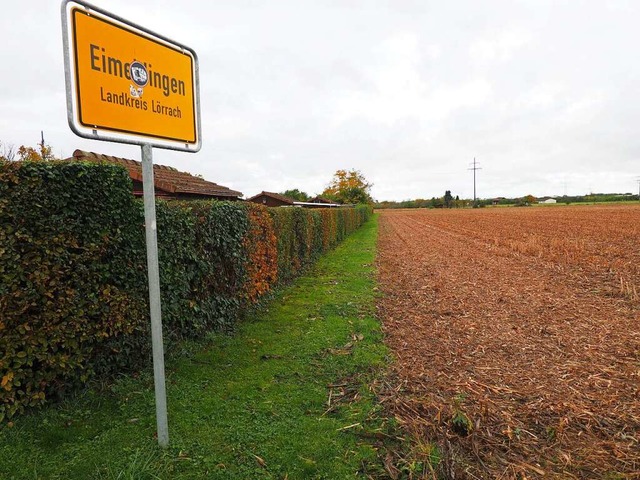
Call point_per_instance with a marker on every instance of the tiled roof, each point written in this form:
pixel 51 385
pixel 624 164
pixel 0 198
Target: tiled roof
pixel 276 196
pixel 165 178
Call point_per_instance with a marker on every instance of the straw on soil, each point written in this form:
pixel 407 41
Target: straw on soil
pixel 517 338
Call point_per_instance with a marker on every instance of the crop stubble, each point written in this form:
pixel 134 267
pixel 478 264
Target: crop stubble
pixel 525 322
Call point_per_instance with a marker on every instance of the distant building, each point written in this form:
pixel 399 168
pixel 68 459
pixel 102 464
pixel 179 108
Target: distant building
pixel 548 201
pixel 270 199
pixel 169 183
pixel 321 205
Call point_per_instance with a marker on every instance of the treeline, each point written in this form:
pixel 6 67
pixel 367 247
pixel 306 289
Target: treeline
pixel 435 202
pixel 439 202
pixel 564 199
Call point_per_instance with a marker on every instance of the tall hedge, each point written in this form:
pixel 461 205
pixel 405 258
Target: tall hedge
pixel 70 270
pixel 73 284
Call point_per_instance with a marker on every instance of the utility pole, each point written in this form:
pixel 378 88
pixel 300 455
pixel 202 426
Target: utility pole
pixel 638 180
pixel 474 168
pixel 43 151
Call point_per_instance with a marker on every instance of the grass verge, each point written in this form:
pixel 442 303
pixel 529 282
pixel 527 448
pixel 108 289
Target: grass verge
pixel 287 396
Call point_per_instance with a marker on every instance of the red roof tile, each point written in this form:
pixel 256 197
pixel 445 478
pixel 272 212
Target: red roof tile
pixel 277 196
pixel 165 178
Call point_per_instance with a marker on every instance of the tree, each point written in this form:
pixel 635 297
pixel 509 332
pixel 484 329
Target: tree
pixel 7 152
pixel 297 195
pixel 42 152
pixel 349 187
pixel 30 154
pixel 448 198
pixel 526 201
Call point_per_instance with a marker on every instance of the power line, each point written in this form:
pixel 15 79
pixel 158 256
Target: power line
pixel 474 168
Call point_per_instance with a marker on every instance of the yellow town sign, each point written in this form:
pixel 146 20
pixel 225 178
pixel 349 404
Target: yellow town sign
pixel 127 84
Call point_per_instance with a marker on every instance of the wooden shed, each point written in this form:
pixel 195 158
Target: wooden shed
pixel 169 182
pixel 270 199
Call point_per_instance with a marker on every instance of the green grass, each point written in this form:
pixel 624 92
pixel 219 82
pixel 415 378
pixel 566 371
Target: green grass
pixel 250 405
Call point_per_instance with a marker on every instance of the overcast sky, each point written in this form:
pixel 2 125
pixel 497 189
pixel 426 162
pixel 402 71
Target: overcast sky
pixel 544 94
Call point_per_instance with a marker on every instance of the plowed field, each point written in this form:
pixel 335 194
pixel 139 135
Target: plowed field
pixel 516 335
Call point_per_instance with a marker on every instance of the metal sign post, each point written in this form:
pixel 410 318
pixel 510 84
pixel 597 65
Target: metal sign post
pixel 130 85
pixel 154 295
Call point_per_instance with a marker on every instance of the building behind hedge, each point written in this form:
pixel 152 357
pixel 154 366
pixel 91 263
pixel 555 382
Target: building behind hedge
pixel 169 183
pixel 270 199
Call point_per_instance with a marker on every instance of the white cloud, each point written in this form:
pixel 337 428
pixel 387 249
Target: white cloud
pixel 499 47
pixel 401 90
pixel 541 97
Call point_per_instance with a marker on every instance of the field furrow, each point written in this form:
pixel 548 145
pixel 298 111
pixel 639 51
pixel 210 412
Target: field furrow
pixel 516 337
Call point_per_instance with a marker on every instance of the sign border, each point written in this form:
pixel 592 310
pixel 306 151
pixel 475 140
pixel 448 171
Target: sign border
pixel 109 134
pixel 81 11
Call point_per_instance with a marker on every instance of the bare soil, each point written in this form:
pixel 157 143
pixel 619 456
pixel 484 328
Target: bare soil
pixel 516 335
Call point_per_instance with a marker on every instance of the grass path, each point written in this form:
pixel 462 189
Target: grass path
pixel 285 397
